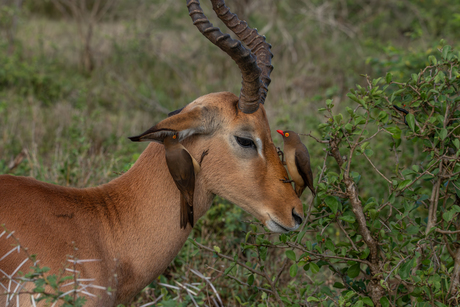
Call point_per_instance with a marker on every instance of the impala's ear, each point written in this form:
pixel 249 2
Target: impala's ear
pixel 175 112
pixel 197 120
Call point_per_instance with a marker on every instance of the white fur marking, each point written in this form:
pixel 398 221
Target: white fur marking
pixel 259 147
pixel 186 133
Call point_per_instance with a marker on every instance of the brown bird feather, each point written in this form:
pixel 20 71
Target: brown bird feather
pixel 183 168
pixel 298 162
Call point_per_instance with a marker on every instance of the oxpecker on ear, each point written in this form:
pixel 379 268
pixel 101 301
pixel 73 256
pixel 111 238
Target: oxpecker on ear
pixel 297 161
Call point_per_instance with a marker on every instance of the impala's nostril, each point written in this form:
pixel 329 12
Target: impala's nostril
pixel 297 218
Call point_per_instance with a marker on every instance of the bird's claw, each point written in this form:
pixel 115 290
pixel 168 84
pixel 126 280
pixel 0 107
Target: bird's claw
pixel 204 154
pixel 286 180
pixel 280 153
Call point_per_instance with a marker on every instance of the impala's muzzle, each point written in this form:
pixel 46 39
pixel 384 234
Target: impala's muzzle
pixel 297 218
pixel 276 226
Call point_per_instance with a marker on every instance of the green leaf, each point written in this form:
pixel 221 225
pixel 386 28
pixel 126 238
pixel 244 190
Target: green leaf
pixel 332 203
pixel 217 249
pixel 251 279
pixel 347 218
pixel 384 301
pixel 364 145
pixel 358 304
pixel 369 206
pixel 456 142
pixel 443 133
pixel 301 234
pixel 368 301
pixel 383 116
pixel 359 120
pixel 447 216
pixel 374 213
pixel 247 236
pixel 395 131
pixel 410 119
pixel 392 198
pixel 407 171
pixel 403 184
pixel 412 230
pixel 263 252
pixel 349 127
pixel 314 268
pixel 445 51
pixel 352 97
pixel 293 270
pixel 291 255
pixel 353 271
pixel 404 271
pixel 388 77
pixel 329 245
pixel 338 118
pixel 365 253
pixel 227 270
pixel 193 242
pixel 338 285
pixel 312 299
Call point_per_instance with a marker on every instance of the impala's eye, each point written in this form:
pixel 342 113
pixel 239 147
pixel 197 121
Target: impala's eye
pixel 246 143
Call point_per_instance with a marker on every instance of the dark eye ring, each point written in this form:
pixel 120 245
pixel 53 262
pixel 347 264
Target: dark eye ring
pixel 246 143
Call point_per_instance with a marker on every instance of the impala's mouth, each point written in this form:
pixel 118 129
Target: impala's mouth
pixel 277 227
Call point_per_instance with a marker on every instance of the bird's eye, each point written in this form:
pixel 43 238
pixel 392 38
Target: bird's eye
pixel 286 134
pixel 247 143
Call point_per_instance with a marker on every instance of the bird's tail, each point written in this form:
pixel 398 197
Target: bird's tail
pixel 186 212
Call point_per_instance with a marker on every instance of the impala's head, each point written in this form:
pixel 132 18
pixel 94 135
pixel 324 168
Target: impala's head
pixel 243 164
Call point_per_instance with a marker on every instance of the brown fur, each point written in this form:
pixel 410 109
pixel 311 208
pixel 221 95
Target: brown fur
pixel 131 224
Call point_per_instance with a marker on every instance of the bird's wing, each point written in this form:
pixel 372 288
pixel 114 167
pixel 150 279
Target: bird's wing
pixel 184 176
pixel 302 161
pixel 181 168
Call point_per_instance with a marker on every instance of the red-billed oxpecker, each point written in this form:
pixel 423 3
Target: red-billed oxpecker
pixel 297 161
pixel 183 168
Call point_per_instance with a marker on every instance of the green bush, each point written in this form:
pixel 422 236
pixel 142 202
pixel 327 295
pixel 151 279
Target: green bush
pixel 392 245
pixel 28 79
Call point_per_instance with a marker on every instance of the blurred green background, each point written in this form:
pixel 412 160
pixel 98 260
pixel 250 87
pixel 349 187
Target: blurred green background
pixel 69 100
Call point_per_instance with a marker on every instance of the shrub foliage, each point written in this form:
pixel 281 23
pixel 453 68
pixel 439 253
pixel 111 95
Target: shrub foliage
pixel 395 249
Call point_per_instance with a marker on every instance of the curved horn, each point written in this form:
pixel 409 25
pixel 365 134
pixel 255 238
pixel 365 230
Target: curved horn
pixel 252 39
pixel 246 61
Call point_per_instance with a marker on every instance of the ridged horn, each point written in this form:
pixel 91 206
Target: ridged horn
pixel 251 38
pixel 253 90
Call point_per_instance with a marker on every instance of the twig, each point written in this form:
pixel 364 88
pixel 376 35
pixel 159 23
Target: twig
pixel 448 232
pixel 376 169
pixel 349 239
pixel 280 271
pixel 229 258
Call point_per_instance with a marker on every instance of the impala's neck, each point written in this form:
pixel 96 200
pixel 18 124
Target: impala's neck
pixel 146 233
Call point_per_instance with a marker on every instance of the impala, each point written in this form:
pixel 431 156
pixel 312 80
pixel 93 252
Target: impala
pixel 131 225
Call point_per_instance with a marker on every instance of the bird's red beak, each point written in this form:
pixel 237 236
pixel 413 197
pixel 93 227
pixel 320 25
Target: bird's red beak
pixel 280 132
